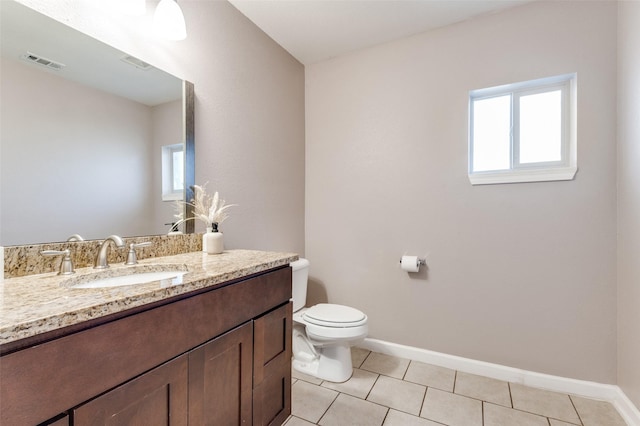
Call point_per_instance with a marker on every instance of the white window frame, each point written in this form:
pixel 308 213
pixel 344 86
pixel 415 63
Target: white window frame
pixel 169 193
pixel 566 168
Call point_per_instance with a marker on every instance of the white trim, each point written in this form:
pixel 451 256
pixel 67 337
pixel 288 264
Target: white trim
pixel 610 393
pixel 625 407
pixel 522 86
pixel 517 176
pixel 564 169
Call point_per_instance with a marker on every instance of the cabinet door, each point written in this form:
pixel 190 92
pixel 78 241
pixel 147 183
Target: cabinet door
pixel 220 379
pixel 272 367
pixel 158 397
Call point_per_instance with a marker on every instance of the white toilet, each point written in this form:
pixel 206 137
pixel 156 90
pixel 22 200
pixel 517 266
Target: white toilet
pixel 323 334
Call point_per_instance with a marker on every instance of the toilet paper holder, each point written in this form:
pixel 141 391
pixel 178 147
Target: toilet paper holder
pixel 421 262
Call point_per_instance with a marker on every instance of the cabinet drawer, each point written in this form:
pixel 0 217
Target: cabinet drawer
pixel 272 366
pixel 272 341
pixel 272 397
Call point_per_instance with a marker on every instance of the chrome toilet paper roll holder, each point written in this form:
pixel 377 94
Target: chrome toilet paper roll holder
pixel 421 261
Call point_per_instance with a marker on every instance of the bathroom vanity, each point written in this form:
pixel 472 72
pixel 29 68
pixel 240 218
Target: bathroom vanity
pixel 212 348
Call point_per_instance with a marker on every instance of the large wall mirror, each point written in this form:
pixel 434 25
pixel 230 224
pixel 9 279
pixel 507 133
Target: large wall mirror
pixel 82 131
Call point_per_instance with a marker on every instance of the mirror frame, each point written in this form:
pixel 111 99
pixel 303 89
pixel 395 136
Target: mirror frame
pixel 189 98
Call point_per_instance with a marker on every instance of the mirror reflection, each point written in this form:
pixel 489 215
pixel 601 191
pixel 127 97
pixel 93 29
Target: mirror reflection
pixel 83 126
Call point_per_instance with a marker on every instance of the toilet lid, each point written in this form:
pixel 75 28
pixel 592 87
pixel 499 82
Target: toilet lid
pixel 330 315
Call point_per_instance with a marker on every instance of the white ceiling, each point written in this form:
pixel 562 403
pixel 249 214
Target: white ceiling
pixel 87 61
pixel 316 30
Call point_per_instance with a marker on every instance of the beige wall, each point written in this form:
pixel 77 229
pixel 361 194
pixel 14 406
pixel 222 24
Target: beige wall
pixel 629 200
pixel 522 275
pixel 249 109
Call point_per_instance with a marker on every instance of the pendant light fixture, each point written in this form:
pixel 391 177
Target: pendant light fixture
pixel 168 21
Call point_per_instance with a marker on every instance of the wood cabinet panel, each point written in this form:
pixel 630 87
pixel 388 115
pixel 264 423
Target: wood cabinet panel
pixel 157 398
pixel 220 386
pixel 272 397
pixel 272 366
pixel 272 337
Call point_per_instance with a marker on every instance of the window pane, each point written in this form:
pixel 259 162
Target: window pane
pixel 178 170
pixel 492 133
pixel 541 127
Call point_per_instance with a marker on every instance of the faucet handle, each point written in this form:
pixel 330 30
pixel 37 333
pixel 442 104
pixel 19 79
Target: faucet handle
pixel 66 266
pixel 131 257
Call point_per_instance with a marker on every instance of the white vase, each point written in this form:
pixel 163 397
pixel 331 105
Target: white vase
pixel 204 239
pixel 213 242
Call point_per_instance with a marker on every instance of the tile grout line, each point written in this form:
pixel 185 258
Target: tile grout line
pixel 385 416
pixel 424 399
pixel 372 386
pixel 510 394
pixel 536 414
pixel 406 371
pixel 576 410
pixel 330 405
pixel 482 406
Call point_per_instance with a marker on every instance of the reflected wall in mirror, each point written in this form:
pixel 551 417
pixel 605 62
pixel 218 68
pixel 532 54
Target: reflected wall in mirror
pixel 82 129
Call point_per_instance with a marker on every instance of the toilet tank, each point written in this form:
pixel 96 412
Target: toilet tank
pixel 300 275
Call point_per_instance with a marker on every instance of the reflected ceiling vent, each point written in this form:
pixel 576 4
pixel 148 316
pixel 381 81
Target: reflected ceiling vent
pixel 132 60
pixel 40 60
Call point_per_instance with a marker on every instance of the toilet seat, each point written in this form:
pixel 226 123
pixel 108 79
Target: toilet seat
pixel 328 324
pixel 334 316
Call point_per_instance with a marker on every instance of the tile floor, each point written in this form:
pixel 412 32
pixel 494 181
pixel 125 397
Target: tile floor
pixel 390 391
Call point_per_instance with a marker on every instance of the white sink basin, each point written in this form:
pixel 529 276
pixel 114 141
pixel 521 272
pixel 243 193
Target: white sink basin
pixel 165 275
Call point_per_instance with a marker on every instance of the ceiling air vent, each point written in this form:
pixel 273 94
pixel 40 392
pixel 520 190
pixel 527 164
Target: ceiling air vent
pixel 40 60
pixel 132 60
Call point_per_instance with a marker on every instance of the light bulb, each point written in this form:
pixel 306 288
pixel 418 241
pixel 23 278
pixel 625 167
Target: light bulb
pixel 168 21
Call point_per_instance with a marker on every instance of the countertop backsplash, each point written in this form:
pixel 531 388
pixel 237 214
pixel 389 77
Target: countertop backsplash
pixel 20 261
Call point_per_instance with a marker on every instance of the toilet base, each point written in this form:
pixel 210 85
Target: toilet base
pixel 331 363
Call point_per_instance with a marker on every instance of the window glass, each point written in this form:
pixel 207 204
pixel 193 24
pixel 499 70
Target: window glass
pixel 178 170
pixel 541 127
pixel 491 133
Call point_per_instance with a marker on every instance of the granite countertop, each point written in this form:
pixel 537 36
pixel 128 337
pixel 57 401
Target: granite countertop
pixel 36 304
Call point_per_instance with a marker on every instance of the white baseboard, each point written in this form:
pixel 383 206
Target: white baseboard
pixel 610 393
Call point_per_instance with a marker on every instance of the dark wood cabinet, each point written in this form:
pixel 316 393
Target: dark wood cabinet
pixel 157 398
pixel 272 367
pixel 220 388
pixel 220 357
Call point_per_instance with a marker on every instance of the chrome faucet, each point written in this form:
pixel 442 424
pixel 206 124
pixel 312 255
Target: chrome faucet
pixel 101 258
pixel 66 266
